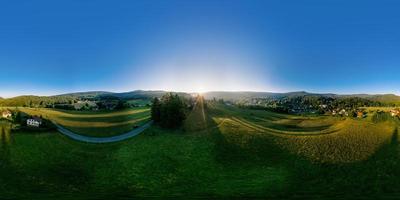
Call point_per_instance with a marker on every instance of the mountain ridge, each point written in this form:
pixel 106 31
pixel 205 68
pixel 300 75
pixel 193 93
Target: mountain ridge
pixel 227 95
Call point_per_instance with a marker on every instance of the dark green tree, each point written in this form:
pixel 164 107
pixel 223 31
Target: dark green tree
pixel 155 110
pixel 169 112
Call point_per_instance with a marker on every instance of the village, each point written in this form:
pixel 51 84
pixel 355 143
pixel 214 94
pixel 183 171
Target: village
pixel 353 107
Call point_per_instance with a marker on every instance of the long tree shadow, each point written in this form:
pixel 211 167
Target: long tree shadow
pixel 395 136
pixel 9 178
pixel 236 147
pixel 5 140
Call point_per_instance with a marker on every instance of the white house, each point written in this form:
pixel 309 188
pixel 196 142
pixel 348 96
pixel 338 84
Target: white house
pixel 343 112
pixel 6 114
pixel 34 122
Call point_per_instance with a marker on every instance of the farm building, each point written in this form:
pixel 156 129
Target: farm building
pixel 395 112
pixel 6 114
pixel 34 122
pixel 361 114
pixel 343 112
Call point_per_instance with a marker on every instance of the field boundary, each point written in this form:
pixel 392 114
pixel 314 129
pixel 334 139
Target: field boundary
pixel 99 140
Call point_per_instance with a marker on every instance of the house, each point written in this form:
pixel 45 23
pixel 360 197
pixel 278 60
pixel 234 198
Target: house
pixel 343 112
pixel 34 122
pixel 395 112
pixel 6 114
pixel 360 114
pixel 323 106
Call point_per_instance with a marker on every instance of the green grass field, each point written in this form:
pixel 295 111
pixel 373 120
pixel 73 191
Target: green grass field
pixel 221 151
pixel 95 123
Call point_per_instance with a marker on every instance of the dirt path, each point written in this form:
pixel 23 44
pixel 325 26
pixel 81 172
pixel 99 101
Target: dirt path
pixel 117 138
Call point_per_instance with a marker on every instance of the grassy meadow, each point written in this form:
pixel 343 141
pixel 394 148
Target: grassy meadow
pixel 221 151
pixel 95 123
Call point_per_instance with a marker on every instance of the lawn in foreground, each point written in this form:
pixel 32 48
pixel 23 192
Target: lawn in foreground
pixel 226 159
pixel 95 123
pixel 153 164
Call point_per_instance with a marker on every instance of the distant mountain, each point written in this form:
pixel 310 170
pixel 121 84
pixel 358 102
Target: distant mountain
pixel 137 94
pixel 35 101
pixel 141 94
pixel 384 98
pixel 86 94
pixel 28 100
pixel 235 96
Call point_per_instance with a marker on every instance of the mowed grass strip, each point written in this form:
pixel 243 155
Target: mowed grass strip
pixel 99 124
pixel 343 141
pixel 279 124
pixel 356 141
pixel 81 114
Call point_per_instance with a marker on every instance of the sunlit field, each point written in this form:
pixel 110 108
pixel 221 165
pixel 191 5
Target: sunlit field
pixel 221 151
pixel 95 123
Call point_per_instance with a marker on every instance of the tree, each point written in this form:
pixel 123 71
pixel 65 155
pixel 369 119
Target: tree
pixel 120 105
pixel 155 110
pixel 169 111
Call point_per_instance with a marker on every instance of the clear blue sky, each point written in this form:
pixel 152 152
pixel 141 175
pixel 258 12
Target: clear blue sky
pixel 50 47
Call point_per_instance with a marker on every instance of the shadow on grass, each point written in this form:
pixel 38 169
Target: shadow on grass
pixel 5 142
pixel 376 177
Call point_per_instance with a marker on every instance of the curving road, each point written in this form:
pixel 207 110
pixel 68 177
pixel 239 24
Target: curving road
pixel 116 138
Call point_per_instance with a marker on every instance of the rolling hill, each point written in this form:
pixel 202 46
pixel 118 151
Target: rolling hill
pixel 85 94
pixel 149 94
pixel 236 96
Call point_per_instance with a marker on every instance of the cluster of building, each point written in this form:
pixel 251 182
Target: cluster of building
pixel 90 105
pixel 341 112
pixel 346 113
pixel 31 121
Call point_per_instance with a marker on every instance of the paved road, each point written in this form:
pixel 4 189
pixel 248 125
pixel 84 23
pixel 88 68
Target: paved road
pixel 117 138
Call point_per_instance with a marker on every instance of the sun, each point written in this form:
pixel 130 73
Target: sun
pixel 200 90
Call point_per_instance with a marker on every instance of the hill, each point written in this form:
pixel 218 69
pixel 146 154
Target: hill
pixel 386 98
pixel 90 94
pixel 35 101
pixel 137 94
pixel 31 100
pixel 237 96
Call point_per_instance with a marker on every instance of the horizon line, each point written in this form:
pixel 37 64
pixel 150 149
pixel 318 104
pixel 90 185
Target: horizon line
pixel 193 92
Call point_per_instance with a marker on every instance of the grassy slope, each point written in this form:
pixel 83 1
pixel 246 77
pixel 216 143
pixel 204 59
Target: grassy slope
pixel 233 156
pixel 101 124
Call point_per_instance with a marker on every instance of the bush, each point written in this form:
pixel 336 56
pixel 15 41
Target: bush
pixel 380 117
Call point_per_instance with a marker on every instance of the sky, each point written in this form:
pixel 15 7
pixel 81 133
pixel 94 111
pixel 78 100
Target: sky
pixel 53 47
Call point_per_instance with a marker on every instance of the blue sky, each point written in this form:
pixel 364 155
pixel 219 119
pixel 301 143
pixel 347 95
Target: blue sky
pixel 51 47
